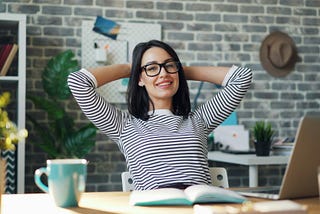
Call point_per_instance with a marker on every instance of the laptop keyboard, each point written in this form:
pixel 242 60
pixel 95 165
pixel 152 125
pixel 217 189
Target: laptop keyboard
pixel 266 190
pixel 270 191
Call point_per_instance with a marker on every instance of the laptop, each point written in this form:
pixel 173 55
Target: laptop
pixel 300 178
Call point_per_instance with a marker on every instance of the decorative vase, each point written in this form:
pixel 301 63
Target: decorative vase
pixel 2 179
pixel 262 148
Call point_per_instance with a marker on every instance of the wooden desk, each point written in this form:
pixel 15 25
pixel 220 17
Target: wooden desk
pixel 106 202
pixel 250 160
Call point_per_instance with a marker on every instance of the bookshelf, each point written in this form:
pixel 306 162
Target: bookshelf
pixel 14 25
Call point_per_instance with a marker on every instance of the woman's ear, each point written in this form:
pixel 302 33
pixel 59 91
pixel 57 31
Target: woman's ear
pixel 141 83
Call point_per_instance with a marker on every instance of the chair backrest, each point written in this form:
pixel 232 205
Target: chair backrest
pixel 127 182
pixel 219 178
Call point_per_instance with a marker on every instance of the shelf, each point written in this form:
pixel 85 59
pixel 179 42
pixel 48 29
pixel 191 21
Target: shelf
pixel 9 78
pixel 14 25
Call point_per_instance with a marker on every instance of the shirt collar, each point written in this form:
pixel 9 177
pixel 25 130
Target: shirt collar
pixel 161 112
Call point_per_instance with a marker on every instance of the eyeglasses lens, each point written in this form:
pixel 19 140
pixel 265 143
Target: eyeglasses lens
pixel 154 69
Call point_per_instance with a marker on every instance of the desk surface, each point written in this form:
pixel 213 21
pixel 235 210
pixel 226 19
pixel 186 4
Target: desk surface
pixel 247 159
pixel 106 202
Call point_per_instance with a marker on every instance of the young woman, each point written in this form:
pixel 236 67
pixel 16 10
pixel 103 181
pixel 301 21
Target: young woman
pixel 164 143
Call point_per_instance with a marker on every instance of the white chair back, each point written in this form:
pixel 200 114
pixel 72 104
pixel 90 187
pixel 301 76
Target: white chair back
pixel 127 182
pixel 218 175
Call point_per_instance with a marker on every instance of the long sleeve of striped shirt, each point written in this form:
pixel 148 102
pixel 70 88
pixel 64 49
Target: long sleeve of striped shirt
pixel 166 149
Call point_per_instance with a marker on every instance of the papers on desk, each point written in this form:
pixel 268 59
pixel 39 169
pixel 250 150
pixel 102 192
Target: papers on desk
pixel 266 207
pixel 282 149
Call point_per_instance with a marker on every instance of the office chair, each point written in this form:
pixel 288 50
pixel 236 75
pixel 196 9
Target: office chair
pixel 218 175
pixel 127 182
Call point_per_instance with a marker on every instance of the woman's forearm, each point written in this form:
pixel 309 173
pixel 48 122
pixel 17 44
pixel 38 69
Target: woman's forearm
pixel 211 74
pixel 106 74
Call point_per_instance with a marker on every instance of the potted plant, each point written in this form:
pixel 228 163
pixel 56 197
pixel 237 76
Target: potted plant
pixel 60 137
pixel 263 136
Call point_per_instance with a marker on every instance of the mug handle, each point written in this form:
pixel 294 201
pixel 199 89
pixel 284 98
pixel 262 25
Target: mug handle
pixel 37 180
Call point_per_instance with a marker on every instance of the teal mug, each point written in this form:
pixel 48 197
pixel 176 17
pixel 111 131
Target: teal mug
pixel 66 180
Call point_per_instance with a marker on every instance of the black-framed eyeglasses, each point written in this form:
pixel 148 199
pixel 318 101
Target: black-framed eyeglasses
pixel 154 69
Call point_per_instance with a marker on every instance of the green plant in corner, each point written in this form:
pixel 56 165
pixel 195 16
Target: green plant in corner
pixel 263 132
pixel 263 135
pixel 60 137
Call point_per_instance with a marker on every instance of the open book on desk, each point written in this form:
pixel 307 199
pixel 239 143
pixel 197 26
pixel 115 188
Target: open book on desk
pixel 191 195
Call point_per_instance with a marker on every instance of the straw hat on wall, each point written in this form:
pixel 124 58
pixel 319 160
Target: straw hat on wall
pixel 278 54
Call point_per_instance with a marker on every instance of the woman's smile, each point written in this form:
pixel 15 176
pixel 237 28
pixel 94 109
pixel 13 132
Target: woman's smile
pixel 164 84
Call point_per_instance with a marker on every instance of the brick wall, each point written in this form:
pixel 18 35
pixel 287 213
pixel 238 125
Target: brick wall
pixel 212 32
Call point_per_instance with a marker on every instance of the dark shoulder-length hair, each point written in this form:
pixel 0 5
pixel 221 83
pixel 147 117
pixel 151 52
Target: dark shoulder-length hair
pixel 137 96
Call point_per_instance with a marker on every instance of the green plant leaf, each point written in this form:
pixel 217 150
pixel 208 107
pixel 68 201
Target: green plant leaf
pixel 80 143
pixel 63 126
pixel 55 74
pixel 47 140
pixel 263 132
pixel 54 110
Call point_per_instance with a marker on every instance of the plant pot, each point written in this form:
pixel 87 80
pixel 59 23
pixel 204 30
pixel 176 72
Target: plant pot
pixel 2 179
pixel 262 148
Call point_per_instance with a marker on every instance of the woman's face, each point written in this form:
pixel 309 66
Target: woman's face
pixel 163 86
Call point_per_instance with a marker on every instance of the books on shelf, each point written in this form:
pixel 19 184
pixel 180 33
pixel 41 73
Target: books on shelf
pixel 4 53
pixel 191 195
pixel 7 54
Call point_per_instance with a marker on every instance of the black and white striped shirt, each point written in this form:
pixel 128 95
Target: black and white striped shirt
pixel 166 149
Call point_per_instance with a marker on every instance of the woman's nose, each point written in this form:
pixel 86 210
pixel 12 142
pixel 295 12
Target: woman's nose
pixel 163 71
